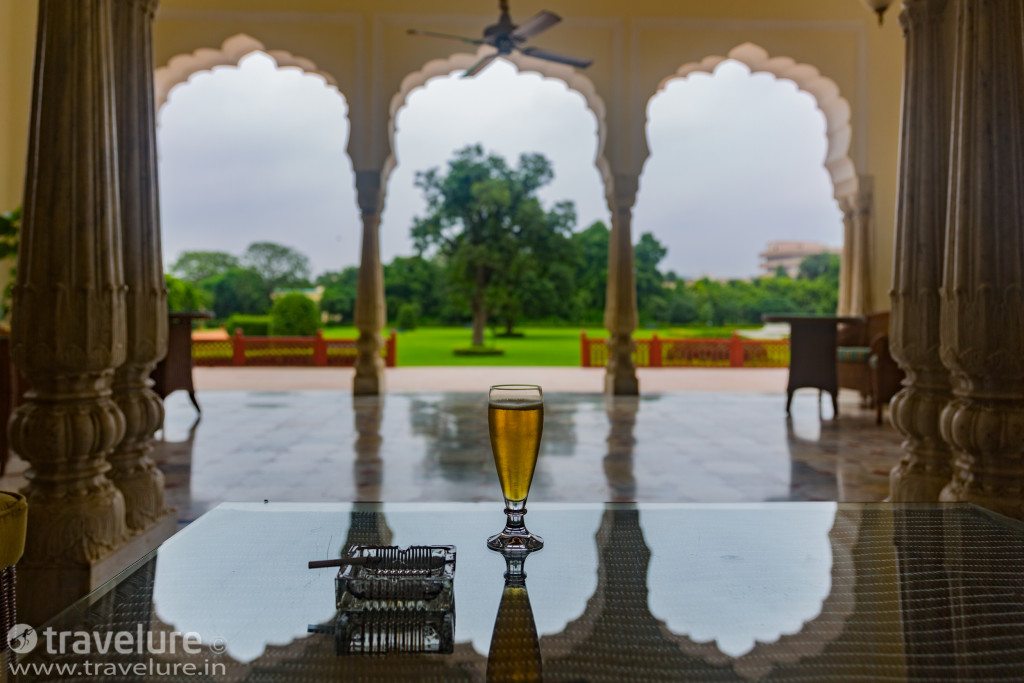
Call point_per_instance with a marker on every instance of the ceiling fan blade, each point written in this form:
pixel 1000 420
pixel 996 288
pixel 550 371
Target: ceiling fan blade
pixel 535 25
pixel 480 65
pixel 447 36
pixel 555 57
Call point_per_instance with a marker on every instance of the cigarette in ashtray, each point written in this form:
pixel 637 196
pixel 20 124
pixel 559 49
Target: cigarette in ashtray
pixel 414 558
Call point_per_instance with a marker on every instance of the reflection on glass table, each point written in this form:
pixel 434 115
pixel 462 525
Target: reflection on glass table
pixel 645 592
pixel 392 599
pixel 515 651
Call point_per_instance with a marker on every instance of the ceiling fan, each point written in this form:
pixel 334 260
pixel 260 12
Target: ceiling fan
pixel 507 38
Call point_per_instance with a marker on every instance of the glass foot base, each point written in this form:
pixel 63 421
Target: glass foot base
pixel 515 541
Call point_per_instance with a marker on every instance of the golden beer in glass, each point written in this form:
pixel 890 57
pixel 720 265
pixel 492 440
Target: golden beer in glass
pixel 515 417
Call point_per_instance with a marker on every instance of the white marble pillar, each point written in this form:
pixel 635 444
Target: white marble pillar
pixel 68 324
pixel 620 316
pixel 146 298
pixel 926 465
pixel 371 312
pixel 983 286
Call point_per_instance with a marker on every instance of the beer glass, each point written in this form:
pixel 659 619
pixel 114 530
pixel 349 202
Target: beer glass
pixel 515 417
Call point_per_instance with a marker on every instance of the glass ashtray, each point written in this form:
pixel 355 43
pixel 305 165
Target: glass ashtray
pixel 393 577
pixel 393 600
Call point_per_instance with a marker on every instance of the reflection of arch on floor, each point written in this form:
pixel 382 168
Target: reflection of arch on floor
pixel 808 79
pixel 624 561
pixel 572 79
pixel 181 67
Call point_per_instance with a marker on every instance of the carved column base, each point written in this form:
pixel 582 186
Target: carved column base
pixel 76 515
pixel 620 376
pixel 369 379
pixel 988 438
pixel 926 466
pixel 132 471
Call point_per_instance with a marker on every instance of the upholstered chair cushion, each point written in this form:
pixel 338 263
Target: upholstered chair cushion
pixel 13 518
pixel 853 354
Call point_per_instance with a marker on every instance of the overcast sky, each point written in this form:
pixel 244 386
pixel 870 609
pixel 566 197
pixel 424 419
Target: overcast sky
pixel 258 153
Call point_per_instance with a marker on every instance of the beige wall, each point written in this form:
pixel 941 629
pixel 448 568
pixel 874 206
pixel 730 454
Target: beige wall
pixel 363 46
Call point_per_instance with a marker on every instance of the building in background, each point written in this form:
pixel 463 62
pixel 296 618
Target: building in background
pixel 788 255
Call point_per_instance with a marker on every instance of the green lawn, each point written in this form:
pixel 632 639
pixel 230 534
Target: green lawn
pixel 538 346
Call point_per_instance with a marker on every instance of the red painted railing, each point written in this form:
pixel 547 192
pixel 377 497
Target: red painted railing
pixel 316 351
pixel 656 352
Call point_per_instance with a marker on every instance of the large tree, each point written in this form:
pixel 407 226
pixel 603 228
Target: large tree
pixel 486 221
pixel 196 266
pixel 240 290
pixel 591 278
pixel 280 266
pixel 339 297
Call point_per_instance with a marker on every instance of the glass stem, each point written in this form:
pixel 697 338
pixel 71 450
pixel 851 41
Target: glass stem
pixel 515 572
pixel 515 510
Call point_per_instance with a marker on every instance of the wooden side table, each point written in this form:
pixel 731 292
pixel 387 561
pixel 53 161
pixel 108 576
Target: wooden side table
pixel 175 370
pixel 812 353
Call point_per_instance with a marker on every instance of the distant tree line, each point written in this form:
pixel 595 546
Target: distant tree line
pixel 489 254
pixel 419 290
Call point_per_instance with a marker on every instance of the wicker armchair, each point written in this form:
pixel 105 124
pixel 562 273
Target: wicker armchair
pixel 864 364
pixel 13 517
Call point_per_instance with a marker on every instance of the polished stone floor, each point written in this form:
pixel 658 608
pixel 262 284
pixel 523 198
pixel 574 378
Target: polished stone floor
pixel 326 446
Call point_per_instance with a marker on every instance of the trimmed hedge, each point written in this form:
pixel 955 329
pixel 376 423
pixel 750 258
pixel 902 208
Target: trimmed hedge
pixel 252 325
pixel 294 314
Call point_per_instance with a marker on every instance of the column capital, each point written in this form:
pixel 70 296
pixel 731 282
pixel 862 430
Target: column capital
pixel 861 201
pixel 370 191
pixel 622 194
pixel 920 13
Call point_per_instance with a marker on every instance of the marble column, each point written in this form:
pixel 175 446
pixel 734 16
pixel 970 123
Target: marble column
pixel 620 316
pixel 926 466
pixel 68 327
pixel 861 206
pixel 846 205
pixel 371 312
pixel 983 286
pixel 132 470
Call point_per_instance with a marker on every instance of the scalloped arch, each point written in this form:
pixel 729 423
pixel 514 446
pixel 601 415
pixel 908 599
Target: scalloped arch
pixel 180 68
pixel 808 79
pixel 572 79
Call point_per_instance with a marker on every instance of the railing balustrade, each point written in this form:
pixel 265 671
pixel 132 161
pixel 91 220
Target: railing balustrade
pixel 316 351
pixel 658 352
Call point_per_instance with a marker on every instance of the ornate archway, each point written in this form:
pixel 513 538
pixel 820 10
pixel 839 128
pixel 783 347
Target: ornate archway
pixel 572 79
pixel 852 192
pixel 242 101
pixel 180 68
pixel 807 78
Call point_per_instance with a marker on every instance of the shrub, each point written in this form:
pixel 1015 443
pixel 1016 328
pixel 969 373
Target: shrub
pixel 408 316
pixel 294 314
pixel 252 325
pixel 184 296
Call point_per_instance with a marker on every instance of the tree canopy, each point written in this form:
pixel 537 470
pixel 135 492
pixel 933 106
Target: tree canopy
pixel 196 266
pixel 490 252
pixel 280 266
pixel 486 222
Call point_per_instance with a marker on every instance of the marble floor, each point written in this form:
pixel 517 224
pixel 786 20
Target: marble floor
pixel 685 447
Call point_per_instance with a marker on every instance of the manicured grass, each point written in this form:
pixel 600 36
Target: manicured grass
pixel 553 346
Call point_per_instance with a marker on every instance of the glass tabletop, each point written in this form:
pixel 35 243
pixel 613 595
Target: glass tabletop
pixel 620 592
